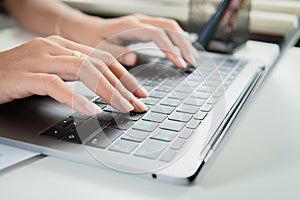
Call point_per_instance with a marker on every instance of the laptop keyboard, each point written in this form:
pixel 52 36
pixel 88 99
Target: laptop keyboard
pixel 178 104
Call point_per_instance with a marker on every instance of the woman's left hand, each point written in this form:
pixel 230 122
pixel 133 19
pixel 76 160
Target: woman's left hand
pixel 110 34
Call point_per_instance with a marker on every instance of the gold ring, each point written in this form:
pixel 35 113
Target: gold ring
pixel 76 53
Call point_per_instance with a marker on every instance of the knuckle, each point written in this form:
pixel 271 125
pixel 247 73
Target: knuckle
pixel 55 37
pixel 169 23
pixel 78 64
pixel 157 31
pixel 52 81
pixel 129 20
pixel 108 57
pixel 172 23
pixel 39 41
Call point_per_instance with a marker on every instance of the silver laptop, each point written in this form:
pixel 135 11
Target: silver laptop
pixel 189 112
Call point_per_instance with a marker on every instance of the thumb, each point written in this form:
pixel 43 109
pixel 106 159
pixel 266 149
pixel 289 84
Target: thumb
pixel 122 54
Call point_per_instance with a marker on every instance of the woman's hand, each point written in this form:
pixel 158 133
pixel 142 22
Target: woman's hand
pixel 40 66
pixel 110 34
pixel 50 17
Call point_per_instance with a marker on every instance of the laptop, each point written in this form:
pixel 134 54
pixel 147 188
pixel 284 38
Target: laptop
pixel 189 112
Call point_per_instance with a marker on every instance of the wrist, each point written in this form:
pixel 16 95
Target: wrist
pixel 75 26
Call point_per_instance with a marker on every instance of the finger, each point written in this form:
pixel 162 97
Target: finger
pixel 120 72
pixel 123 55
pixel 176 34
pixel 129 28
pixel 98 83
pixel 81 68
pixel 147 33
pixel 115 82
pixel 52 85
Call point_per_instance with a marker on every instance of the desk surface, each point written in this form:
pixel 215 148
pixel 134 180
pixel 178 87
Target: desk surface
pixel 258 160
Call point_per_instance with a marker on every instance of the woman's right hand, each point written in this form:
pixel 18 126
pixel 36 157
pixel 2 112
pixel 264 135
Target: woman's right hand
pixel 41 65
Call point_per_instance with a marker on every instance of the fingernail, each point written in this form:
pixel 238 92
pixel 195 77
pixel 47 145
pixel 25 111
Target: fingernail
pixel 130 59
pixel 139 105
pixel 126 106
pixel 181 62
pixel 92 108
pixel 141 92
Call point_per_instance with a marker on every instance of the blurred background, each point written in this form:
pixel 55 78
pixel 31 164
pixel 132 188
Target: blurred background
pixel 269 20
pixel 262 20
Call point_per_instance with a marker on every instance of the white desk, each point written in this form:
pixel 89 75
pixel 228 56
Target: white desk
pixel 258 160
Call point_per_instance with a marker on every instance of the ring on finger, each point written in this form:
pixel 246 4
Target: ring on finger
pixel 76 53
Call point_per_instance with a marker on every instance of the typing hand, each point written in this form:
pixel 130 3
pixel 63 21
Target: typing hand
pixel 110 34
pixel 40 66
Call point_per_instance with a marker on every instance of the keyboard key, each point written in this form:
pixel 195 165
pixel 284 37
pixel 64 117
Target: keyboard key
pixel 163 109
pixel 213 83
pixel 135 135
pixel 164 135
pixel 203 88
pixel 170 102
pixel 191 83
pixel 99 100
pixel 101 105
pixel 177 95
pixel 193 124
pixel 145 126
pixel 187 109
pixel 133 116
pixel 155 117
pixel 170 83
pixel 212 100
pixel 183 89
pixel 151 149
pixel 164 89
pixel 72 136
pixel 87 128
pixel 110 109
pixel 172 125
pixel 112 134
pixel 104 138
pixel 55 131
pixel 194 102
pixel 206 108
pixel 105 116
pixel 121 123
pixel 194 79
pixel 78 115
pixel 124 146
pixel 177 144
pixel 148 88
pixel 150 101
pixel 200 115
pixel 186 133
pixel 75 123
pixel 158 94
pixel 168 156
pixel 181 117
pixel 149 83
pixel 200 95
pixel 65 122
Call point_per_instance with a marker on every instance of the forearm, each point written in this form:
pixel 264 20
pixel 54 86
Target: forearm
pixel 44 17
